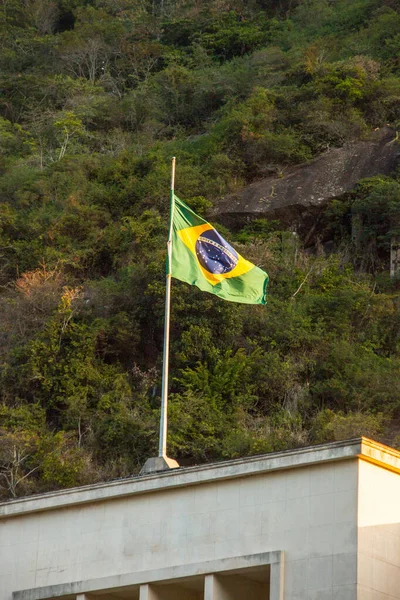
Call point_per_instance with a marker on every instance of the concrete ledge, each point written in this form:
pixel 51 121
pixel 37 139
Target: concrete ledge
pixel 301 457
pixel 123 582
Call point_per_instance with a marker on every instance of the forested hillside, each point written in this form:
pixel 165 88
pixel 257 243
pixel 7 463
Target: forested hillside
pixel 96 97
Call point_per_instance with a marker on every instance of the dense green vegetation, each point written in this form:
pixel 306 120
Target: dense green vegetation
pixel 96 96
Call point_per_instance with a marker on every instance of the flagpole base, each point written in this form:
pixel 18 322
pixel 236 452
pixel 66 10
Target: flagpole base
pixel 158 463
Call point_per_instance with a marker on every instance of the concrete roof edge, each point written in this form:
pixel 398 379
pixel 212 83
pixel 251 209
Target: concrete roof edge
pixel 242 467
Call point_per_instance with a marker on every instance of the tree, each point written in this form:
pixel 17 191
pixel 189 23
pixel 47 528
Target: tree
pixel 44 15
pixel 17 459
pixel 69 126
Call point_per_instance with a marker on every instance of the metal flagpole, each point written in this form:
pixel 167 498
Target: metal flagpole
pixel 162 448
pixel 162 462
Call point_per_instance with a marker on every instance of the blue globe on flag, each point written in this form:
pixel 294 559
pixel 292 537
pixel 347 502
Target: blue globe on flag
pixel 214 253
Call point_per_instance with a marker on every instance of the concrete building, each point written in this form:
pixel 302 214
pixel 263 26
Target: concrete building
pixel 317 523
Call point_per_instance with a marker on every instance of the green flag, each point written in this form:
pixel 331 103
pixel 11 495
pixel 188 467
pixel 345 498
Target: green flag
pixel 201 257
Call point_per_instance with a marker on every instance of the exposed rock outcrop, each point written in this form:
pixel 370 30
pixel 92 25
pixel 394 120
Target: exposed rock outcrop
pixel 299 197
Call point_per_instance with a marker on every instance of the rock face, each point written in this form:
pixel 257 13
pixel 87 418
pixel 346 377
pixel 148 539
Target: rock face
pixel 299 197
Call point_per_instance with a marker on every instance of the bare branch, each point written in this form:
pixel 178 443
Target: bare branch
pixel 302 283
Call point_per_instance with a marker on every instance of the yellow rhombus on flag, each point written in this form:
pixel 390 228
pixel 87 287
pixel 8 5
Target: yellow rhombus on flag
pixel 201 257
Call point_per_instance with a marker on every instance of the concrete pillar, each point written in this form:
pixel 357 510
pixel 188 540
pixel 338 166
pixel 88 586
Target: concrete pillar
pixel 209 587
pixel 277 579
pixel 147 593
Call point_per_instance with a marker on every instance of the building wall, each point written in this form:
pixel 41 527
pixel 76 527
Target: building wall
pixel 378 533
pixel 309 512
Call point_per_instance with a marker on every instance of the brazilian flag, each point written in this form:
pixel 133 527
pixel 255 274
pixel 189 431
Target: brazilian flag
pixel 201 257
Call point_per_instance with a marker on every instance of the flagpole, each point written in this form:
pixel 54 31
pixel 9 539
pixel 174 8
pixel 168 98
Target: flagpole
pixel 162 462
pixel 162 448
